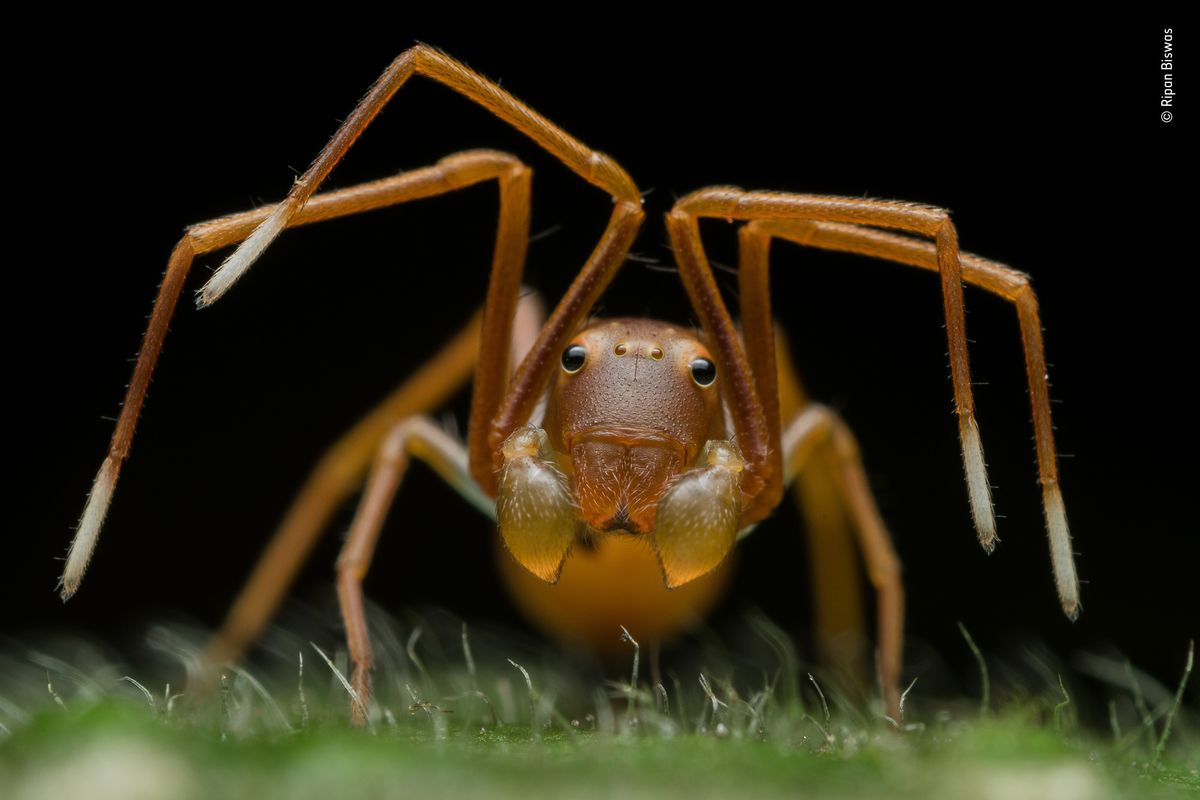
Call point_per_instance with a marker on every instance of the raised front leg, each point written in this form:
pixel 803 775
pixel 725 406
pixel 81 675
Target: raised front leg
pixel 451 173
pixel 498 406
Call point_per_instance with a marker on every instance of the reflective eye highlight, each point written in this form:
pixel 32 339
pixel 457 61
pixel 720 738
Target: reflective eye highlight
pixel 704 372
pixel 574 357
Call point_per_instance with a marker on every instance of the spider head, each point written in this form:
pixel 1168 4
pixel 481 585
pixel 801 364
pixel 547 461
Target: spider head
pixel 634 403
pixel 635 406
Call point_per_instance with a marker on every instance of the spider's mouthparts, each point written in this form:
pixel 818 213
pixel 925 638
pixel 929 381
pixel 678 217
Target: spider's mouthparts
pixel 619 483
pixel 698 522
pixel 534 507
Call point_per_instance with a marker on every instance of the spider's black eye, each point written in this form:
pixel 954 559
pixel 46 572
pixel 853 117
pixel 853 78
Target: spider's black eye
pixel 573 358
pixel 704 372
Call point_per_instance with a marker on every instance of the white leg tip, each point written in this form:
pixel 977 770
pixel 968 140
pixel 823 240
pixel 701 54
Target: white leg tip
pixel 978 489
pixel 246 254
pixel 89 530
pixel 1061 556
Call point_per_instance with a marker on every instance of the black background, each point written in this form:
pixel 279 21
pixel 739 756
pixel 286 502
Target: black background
pixel 1045 142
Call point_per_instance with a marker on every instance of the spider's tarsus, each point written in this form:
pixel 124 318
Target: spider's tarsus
pixel 978 488
pixel 1065 577
pixel 89 530
pixel 246 254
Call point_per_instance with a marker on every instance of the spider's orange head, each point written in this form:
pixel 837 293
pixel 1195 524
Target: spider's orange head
pixel 634 402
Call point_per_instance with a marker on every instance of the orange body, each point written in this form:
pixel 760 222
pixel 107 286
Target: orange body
pixel 617 581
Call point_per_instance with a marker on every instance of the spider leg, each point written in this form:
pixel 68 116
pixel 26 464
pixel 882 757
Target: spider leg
pixel 756 428
pixel 817 441
pixel 502 400
pixel 416 437
pixel 454 172
pixel 835 572
pixel 341 470
pixel 505 408
pixel 595 168
pixel 991 276
pixel 819 458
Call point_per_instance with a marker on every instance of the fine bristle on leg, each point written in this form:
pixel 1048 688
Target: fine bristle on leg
pixel 978 489
pixel 1063 560
pixel 89 529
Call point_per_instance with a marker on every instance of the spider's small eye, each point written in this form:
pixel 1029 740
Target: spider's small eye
pixel 573 358
pixel 704 372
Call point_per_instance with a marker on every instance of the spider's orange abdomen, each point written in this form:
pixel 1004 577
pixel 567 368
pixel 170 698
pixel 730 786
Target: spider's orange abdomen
pixel 616 582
